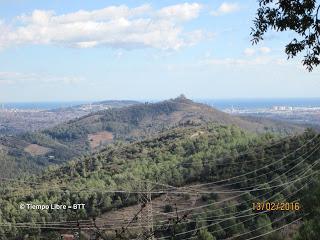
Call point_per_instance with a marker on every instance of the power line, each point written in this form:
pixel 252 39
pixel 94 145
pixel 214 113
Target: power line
pixel 90 228
pixel 206 184
pixel 218 159
pixel 223 219
pixel 245 174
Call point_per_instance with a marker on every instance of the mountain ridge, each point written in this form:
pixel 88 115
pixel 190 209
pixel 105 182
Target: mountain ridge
pixel 94 131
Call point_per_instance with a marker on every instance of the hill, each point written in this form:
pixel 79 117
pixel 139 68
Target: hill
pixel 25 149
pixel 143 120
pixel 16 121
pixel 92 132
pixel 181 158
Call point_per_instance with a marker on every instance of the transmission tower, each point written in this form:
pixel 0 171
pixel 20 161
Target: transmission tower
pixel 145 216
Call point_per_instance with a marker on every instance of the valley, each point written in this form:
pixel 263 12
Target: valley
pixel 98 140
pixel 195 168
pixel 122 123
pixel 21 120
pixel 308 116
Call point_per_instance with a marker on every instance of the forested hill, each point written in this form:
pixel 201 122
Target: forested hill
pixel 182 158
pixel 143 120
pixel 92 132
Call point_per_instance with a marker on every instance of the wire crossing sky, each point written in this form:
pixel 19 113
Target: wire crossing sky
pixel 96 50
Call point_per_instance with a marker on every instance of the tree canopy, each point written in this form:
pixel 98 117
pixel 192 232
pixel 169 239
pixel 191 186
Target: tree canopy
pixel 299 16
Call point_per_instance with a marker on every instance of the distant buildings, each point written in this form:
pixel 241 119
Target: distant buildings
pixel 282 108
pixel 295 114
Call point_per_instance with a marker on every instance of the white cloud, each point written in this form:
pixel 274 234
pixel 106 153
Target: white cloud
pixel 249 52
pixel 226 8
pixel 114 26
pixel 103 14
pixel 265 50
pixel 182 12
pixel 196 36
pixel 20 78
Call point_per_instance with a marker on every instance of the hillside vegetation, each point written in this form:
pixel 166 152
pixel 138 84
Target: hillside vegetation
pixel 142 120
pixel 178 157
pixel 92 132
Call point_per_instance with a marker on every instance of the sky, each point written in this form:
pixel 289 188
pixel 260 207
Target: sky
pixel 93 50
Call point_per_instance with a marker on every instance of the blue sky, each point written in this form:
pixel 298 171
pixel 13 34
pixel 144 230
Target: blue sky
pixel 95 50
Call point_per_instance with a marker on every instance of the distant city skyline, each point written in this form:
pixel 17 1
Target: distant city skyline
pixel 54 51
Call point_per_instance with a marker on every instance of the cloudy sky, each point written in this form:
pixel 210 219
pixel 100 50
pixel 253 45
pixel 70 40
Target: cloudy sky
pixel 94 50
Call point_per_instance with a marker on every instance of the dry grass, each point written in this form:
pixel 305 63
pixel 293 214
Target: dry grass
pixel 99 138
pixel 123 216
pixel 36 150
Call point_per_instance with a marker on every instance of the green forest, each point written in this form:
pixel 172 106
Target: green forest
pixel 251 167
pixel 69 140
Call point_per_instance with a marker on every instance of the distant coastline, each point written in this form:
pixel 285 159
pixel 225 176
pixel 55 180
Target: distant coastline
pixel 40 105
pixel 261 103
pixel 217 103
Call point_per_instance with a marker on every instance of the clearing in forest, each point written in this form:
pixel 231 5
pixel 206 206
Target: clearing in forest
pixel 99 139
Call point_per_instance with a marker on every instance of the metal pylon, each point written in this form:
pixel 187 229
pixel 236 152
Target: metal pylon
pixel 145 216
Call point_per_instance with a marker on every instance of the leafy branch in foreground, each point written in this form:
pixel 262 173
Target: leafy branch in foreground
pixel 301 17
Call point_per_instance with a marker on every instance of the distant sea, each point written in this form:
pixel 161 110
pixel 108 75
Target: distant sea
pixel 261 103
pixel 217 103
